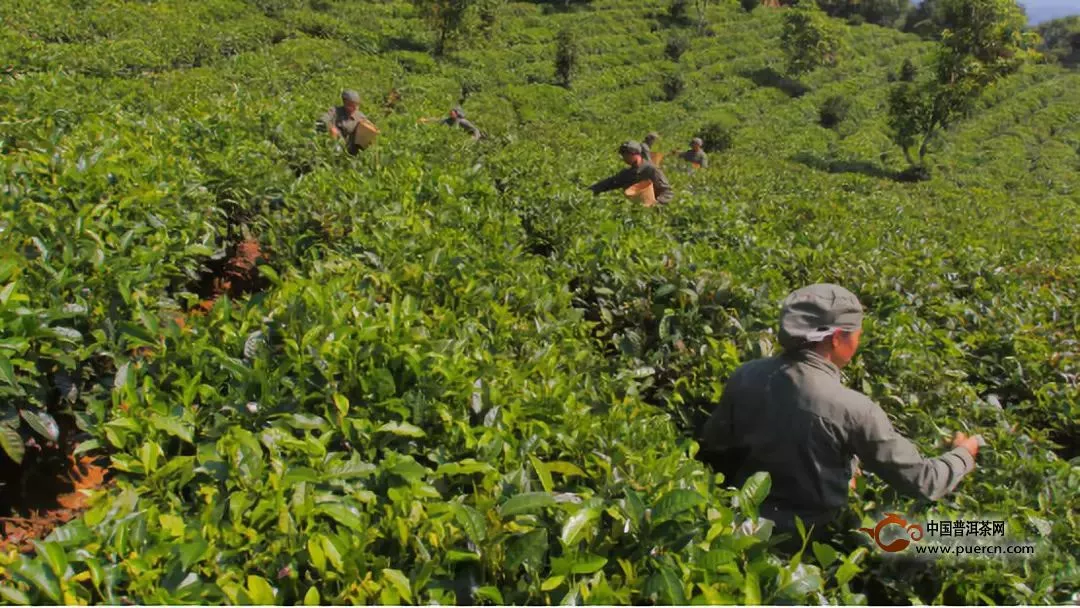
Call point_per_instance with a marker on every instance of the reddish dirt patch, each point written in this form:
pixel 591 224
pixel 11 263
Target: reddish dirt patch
pixel 47 490
pixel 235 275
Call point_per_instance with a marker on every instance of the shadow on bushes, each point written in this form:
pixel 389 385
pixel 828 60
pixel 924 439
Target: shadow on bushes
pixel 399 43
pixel 867 168
pixel 768 77
pixel 561 6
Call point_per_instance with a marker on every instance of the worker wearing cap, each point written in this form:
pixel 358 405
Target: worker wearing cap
pixel 343 120
pixel 639 170
pixel 696 154
pixel 791 416
pixel 457 119
pixel 647 143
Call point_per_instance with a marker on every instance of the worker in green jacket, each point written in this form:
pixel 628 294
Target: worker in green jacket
pixel 342 120
pixel 457 119
pixel 791 416
pixel 696 153
pixel 638 171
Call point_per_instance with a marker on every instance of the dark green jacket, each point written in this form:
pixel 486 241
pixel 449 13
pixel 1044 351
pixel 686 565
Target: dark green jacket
pixel 345 123
pixel 632 175
pixel 691 156
pixel 790 415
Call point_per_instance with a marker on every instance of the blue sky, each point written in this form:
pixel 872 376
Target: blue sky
pixel 1043 10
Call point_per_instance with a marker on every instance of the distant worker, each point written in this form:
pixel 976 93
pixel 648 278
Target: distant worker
pixel 457 119
pixel 695 155
pixel 790 415
pixel 343 120
pixel 647 144
pixel 639 170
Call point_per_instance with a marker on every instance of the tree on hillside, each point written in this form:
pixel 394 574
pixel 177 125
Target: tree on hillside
pixel 446 17
pixel 566 57
pixel 809 38
pixel 702 7
pixel 1061 40
pixel 677 11
pixel 488 11
pixel 908 71
pixel 986 43
pixel 880 12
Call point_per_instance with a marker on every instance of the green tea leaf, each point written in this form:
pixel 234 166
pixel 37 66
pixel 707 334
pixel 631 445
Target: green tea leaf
pixel 565 468
pixel 341 402
pixel 675 502
pixel 471 521
pixel 43 423
pixel 754 492
pixel 344 515
pixel 578 525
pixel 172 426
pixel 552 583
pixel 543 474
pixel 14 596
pixel 172 524
pixel 44 580
pixel 316 552
pixel 12 443
pixel 465 467
pixel 55 556
pixel 492 594
pixel 192 553
pixel 824 553
pixel 527 549
pixel 399 581
pixel 260 590
pixel 402 429
pixel 846 572
pixel 526 503
pixel 667 587
pixel 588 563
pixel 751 590
pixel 7 372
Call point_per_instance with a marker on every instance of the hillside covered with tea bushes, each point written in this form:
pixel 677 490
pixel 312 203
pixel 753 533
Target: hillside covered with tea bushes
pixel 442 371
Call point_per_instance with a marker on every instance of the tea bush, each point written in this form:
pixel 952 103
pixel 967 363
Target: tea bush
pixel 461 378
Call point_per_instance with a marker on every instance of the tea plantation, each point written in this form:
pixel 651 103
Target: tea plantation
pixel 442 370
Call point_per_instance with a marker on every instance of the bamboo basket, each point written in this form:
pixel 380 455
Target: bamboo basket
pixel 642 192
pixel 365 134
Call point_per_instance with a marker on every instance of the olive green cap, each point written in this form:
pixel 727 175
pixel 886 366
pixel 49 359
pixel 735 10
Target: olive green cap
pixel 651 137
pixel 350 95
pixel 813 313
pixel 697 141
pixel 632 147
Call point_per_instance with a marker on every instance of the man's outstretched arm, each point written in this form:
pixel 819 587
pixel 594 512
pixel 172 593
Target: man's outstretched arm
pixel 888 454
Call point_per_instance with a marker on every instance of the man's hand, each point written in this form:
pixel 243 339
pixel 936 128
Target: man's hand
pixel 855 474
pixel 971 444
pixel 334 131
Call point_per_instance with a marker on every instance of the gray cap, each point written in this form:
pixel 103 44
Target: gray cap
pixel 651 137
pixel 350 95
pixel 813 313
pixel 697 142
pixel 632 147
